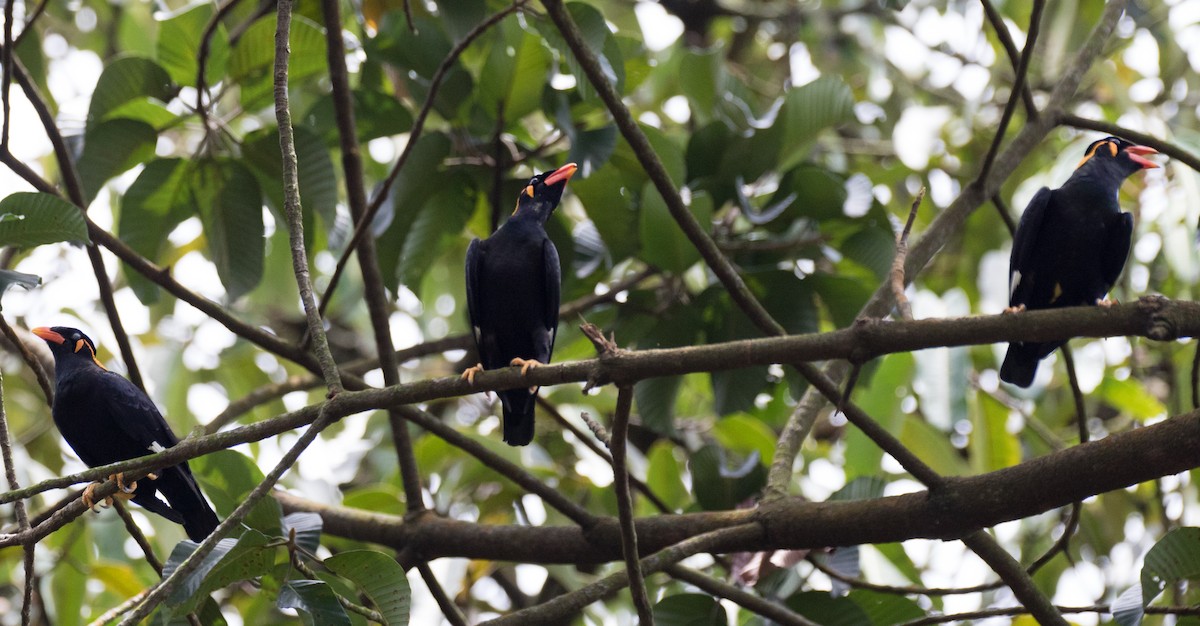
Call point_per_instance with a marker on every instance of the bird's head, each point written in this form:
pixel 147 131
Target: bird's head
pixel 69 345
pixel 540 197
pixel 1115 157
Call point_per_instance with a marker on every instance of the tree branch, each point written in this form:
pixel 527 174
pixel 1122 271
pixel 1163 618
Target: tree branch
pixel 629 543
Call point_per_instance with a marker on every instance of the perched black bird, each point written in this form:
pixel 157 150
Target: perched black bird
pixel 512 296
pixel 106 419
pixel 1071 245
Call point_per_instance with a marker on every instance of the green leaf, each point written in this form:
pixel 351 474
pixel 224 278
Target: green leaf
pixel 190 585
pixel 252 61
pixel 515 73
pixel 672 250
pixel 179 46
pixel 655 398
pixel 690 609
pixel 252 556
pixel 380 578
pixel 1175 557
pixel 807 110
pixel 315 600
pixel 824 609
pixel 151 208
pixel 886 609
pixel 227 478
pixel 111 148
pixel 1129 396
pixel 873 248
pixel 68 582
pixel 440 222
pixel 128 80
pixel 879 397
pixel 701 73
pixel 664 475
pixel 745 434
pixel 861 488
pixel 992 447
pixel 307 527
pixel 417 182
pixel 420 49
pixel 1127 609
pixel 318 180
pixel 230 206
pixel 933 447
pixel 29 219
pixel 8 278
pixel 717 485
pixel 610 206
pixel 844 297
pixel 376 114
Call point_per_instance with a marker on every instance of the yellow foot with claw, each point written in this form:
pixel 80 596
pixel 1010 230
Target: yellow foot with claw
pixel 525 365
pixel 124 492
pixel 1014 309
pixel 469 374
pixel 1106 303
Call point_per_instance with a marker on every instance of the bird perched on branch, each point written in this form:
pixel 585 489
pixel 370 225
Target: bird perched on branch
pixel 106 419
pixel 1071 245
pixel 513 283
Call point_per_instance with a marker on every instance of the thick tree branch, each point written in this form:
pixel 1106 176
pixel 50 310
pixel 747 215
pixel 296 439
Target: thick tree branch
pixel 10 474
pixel 961 507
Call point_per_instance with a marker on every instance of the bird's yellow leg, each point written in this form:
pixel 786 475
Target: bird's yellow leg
pixel 1014 309
pixel 469 374
pixel 124 491
pixel 1106 303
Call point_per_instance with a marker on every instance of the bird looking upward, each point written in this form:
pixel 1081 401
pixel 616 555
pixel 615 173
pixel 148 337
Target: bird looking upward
pixel 513 283
pixel 106 419
pixel 1071 245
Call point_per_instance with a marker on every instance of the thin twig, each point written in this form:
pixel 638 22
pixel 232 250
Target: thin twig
pixel 10 473
pixel 1014 57
pixel 449 610
pixel 1005 214
pixel 6 65
pixel 1021 584
pixel 363 222
pixel 120 609
pixel 759 605
pixel 138 537
pixel 897 273
pixel 1018 86
pixel 1166 147
pixel 291 193
pixel 206 36
pixel 32 361
pixel 298 563
pixel 1020 610
pixel 629 545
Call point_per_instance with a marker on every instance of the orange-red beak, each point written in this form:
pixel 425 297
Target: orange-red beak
pixel 49 335
pixel 1137 154
pixel 562 174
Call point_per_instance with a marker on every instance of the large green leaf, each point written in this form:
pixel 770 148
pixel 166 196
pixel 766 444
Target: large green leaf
pixel 380 578
pixel 151 208
pixel 718 485
pixel 610 206
pixel 671 250
pixel 992 447
pixel 316 602
pixel 1175 557
pixel 113 147
pixel 318 180
pixel 886 609
pixel 598 38
pixel 190 585
pixel 417 182
pixel 8 278
pixel 252 61
pixel 745 434
pixel 227 478
pixel 30 219
pixel 514 74
pixel 808 110
pixel 664 475
pixel 69 579
pixel 822 608
pixel 932 446
pixel 439 223
pixel 125 81
pixel 229 202
pixel 252 556
pixel 376 114
pixel 690 609
pixel 1131 397
pixel 179 46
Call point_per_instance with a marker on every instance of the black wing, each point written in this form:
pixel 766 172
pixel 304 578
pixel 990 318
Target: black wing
pixel 1021 270
pixel 1116 249
pixel 475 254
pixel 553 288
pixel 136 414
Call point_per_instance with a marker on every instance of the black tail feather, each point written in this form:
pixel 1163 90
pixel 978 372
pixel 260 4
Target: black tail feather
pixel 187 502
pixel 518 416
pixel 1021 361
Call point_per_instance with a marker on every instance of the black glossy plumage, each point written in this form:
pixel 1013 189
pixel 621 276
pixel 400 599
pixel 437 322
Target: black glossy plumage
pixel 1071 244
pixel 106 419
pixel 513 282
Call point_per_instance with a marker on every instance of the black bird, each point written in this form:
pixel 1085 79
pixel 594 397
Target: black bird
pixel 1071 245
pixel 106 419
pixel 513 283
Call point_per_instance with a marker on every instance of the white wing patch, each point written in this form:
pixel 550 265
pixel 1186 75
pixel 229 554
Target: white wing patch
pixel 1012 284
pixel 156 447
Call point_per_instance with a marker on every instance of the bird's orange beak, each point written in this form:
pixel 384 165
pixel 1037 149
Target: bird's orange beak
pixel 1137 154
pixel 562 174
pixel 48 335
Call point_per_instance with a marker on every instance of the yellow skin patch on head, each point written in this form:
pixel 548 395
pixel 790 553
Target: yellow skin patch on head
pixel 1091 153
pixel 81 344
pixel 529 192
